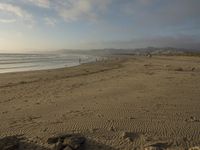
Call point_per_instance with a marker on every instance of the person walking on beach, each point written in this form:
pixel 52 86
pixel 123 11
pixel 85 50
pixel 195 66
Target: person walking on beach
pixel 149 55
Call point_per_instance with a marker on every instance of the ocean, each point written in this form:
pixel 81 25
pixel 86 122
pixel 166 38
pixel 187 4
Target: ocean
pixel 29 62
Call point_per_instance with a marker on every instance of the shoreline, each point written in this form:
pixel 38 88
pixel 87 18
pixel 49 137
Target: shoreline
pixel 122 103
pixel 15 63
pixel 105 58
pixel 56 73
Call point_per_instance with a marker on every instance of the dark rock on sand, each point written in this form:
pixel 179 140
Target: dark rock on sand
pixel 67 142
pixel 9 143
pixel 193 69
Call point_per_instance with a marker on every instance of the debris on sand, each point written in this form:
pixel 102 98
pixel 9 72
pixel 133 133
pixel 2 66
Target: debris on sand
pixel 148 65
pixel 167 65
pixel 192 119
pixel 178 69
pixel 111 128
pixel 9 143
pixel 193 69
pixel 67 142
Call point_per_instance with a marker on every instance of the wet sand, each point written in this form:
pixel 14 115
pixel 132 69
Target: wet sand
pixel 124 103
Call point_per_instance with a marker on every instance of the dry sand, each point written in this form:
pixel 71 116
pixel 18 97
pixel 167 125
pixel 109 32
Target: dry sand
pixel 126 103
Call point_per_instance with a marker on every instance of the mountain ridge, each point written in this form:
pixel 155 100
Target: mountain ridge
pixel 137 51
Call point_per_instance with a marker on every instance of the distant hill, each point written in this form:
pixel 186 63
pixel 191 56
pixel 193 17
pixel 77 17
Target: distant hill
pixel 138 51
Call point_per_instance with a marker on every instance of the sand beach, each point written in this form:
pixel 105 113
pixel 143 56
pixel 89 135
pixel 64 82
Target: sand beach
pixel 125 103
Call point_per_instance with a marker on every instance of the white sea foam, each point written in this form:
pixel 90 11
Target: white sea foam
pixel 28 62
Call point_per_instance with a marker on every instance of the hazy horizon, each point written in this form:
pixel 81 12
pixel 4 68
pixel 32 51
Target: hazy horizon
pixel 45 25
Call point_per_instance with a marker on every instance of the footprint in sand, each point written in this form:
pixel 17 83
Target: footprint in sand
pixel 100 115
pixel 4 112
pixel 112 129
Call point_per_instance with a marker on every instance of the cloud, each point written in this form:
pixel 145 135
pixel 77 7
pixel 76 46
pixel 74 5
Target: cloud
pixel 7 20
pixel 50 21
pixel 14 12
pixel 68 10
pixel 40 3
pixel 73 10
pixel 154 12
pixel 143 12
pixel 163 13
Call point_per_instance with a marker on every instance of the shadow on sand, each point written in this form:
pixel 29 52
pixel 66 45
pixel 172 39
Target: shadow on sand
pixel 20 143
pixel 93 145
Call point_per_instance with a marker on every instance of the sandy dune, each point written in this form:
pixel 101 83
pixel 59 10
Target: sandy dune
pixel 127 103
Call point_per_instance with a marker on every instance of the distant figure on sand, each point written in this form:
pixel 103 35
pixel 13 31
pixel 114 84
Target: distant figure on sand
pixel 79 60
pixel 149 55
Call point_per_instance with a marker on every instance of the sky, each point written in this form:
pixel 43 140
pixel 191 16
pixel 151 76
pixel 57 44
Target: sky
pixel 27 25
